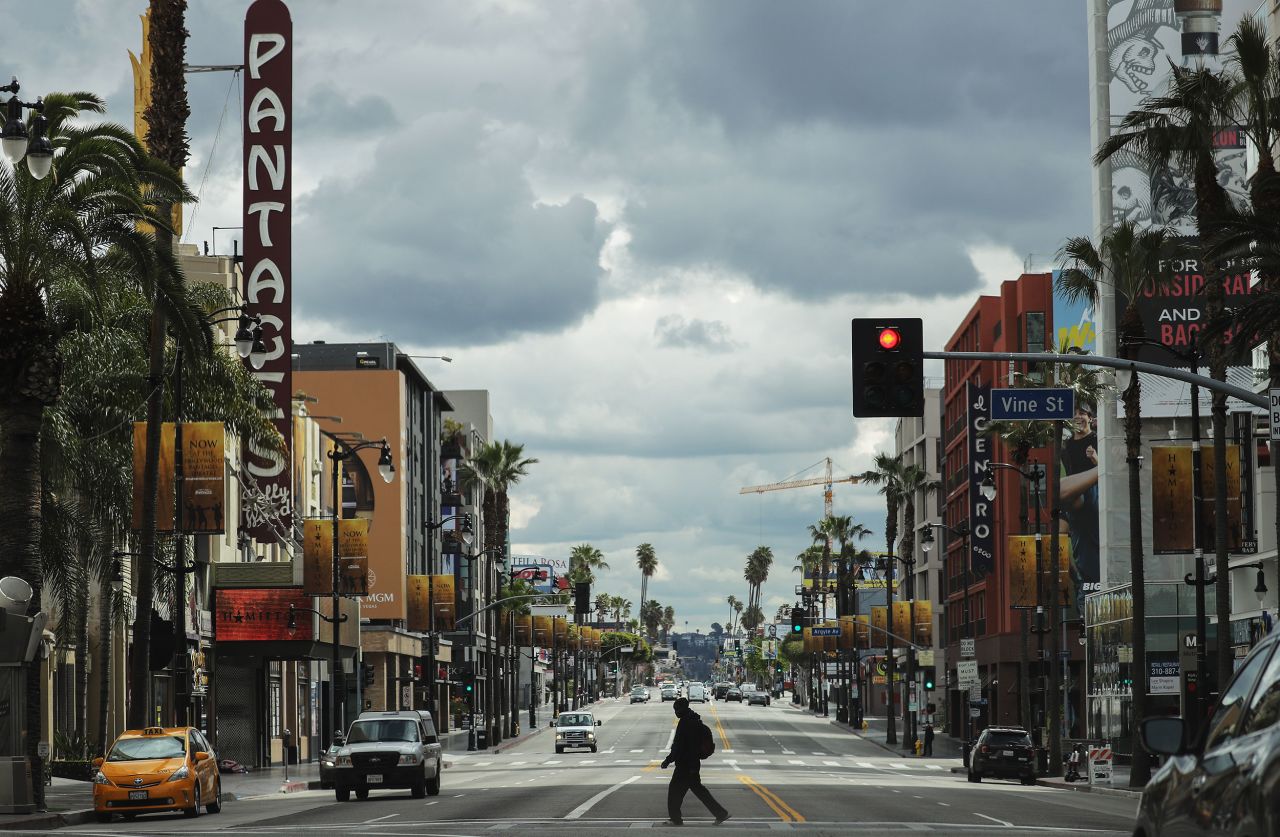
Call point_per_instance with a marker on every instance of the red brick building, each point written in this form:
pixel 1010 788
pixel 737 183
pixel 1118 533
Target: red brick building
pixel 1018 320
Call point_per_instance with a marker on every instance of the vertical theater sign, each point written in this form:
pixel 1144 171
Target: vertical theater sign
pixel 268 213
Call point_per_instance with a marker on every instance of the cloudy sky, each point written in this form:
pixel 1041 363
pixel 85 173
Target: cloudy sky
pixel 643 225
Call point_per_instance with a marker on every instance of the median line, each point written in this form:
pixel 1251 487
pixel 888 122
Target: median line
pixel 724 739
pixel 784 811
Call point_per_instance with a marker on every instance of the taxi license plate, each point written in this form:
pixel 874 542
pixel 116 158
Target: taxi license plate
pixel 374 778
pixel 141 794
pixel 1008 752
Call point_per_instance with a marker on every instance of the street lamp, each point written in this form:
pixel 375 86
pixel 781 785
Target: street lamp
pixel 342 451
pixel 117 576
pixel 15 140
pixel 248 337
pixel 926 543
pixel 445 358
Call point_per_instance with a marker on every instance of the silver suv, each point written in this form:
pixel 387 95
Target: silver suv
pixel 396 749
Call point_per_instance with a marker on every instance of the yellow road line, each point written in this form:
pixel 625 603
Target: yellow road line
pixel 771 799
pixel 724 739
pixel 653 765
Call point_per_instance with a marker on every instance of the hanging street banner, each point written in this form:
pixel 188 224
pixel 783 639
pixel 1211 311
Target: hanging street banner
pixel 164 481
pixel 267 236
pixel 982 544
pixel 353 556
pixel 442 602
pixel 1032 404
pixel 204 478
pixel 1020 562
pixel 1172 505
pixel 924 622
pixel 418 612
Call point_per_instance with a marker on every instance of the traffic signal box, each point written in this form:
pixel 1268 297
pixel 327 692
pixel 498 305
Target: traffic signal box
pixel 888 368
pixel 797 621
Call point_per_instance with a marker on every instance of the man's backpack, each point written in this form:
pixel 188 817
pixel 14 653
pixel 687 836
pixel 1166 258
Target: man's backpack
pixel 707 744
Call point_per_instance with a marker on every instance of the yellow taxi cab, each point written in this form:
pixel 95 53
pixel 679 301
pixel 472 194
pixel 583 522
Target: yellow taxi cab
pixel 157 769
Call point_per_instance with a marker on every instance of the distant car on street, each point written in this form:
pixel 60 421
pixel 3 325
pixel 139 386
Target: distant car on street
pixel 668 693
pixel 734 693
pixel 721 690
pixel 698 693
pixel 639 694
pixel 755 696
pixel 1003 753
pixel 1223 781
pixel 575 729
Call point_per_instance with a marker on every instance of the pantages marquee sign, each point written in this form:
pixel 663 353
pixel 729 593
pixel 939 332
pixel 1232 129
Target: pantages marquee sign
pixel 268 218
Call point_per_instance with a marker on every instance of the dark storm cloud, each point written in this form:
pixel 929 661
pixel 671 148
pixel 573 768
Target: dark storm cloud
pixel 445 233
pixel 674 331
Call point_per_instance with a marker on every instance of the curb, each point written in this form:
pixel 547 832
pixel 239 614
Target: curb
pixel 1087 788
pixel 48 822
pixel 294 786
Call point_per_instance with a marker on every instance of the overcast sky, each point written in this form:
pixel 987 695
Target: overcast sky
pixel 644 226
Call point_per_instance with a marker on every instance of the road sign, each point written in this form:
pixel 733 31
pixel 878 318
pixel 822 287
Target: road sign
pixel 1100 764
pixel 1275 415
pixel 975 693
pixel 967 648
pixel 924 657
pixel 832 668
pixel 1033 404
pixel 967 672
pixel 824 631
pixel 975 712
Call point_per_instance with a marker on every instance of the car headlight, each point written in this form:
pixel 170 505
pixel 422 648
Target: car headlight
pixel 559 736
pixel 342 761
pixel 180 773
pixel 100 779
pixel 591 736
pixel 408 758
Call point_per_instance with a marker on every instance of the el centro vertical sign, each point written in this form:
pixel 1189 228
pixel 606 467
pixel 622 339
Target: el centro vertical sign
pixel 268 218
pixel 982 542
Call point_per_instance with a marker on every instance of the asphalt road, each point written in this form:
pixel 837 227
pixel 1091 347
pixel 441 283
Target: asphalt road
pixel 776 768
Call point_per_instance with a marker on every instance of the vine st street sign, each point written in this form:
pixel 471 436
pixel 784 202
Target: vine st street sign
pixel 1032 404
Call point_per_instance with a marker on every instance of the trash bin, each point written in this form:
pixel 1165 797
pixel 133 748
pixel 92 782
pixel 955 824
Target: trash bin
pixel 1042 762
pixel 482 738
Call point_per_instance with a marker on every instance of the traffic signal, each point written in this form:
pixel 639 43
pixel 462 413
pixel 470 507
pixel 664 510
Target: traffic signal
pixel 582 597
pixel 366 669
pixel 888 368
pixel 929 675
pixel 468 681
pixel 797 621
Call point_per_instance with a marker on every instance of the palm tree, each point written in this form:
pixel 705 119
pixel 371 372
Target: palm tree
pixel 647 561
pixel 887 473
pixel 756 573
pixel 732 601
pixel 752 618
pixel 497 466
pixel 1126 260
pixel 669 620
pixel 584 561
pixel 651 616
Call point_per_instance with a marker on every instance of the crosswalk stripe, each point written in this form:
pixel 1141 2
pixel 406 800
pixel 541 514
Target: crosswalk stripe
pixel 794 761
pixel 762 761
pixel 637 751
pixel 933 766
pixel 898 766
pixel 865 764
pixel 832 763
pixel 758 752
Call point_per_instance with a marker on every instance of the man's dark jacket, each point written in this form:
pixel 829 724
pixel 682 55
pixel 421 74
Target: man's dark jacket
pixel 686 748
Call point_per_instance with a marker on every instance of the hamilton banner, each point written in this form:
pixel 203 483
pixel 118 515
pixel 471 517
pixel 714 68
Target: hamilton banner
pixel 164 494
pixel 442 602
pixel 924 622
pixel 847 631
pixel 353 556
pixel 1021 570
pixel 862 635
pixel 418 613
pixel 808 640
pixel 879 626
pixel 560 625
pixel 1173 507
pixel 902 620
pixel 542 631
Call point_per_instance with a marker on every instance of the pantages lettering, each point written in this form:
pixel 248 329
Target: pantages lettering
pixel 268 214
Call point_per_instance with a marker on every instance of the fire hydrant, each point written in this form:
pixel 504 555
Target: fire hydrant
pixel 919 747
pixel 865 725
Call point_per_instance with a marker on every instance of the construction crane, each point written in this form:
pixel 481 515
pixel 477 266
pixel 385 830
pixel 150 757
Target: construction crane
pixel 826 481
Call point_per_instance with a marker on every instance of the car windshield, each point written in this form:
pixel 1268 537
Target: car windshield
pixel 391 729
pixel 639 689
pixel 571 720
pixel 152 747
pixel 1008 739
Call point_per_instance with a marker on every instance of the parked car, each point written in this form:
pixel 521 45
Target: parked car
pixel 157 769
pixel 1226 780
pixel 734 693
pixel 759 696
pixel 639 694
pixel 575 729
pixel 1003 753
pixel 393 749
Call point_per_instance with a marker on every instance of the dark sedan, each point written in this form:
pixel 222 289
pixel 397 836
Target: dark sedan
pixel 1226 780
pixel 734 693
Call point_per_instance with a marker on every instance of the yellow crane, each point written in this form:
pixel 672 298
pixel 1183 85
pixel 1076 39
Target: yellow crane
pixel 825 480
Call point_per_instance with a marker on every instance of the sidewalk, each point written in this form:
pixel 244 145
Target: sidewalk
pixel 1119 784
pixel 70 802
pixel 265 781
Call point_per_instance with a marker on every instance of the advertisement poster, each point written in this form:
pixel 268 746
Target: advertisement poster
pixel 862 635
pixel 1021 564
pixel 524 631
pixel 902 620
pixel 847 631
pixel 541 572
pixel 353 556
pixel 560 625
pixel 261 615
pixel 204 480
pixel 418 589
pixel 542 631
pixel 317 556
pixel 1172 505
pixel 442 602
pixel 165 497
pixel 879 625
pixel 924 622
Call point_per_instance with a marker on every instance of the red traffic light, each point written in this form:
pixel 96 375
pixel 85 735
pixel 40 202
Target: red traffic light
pixel 890 338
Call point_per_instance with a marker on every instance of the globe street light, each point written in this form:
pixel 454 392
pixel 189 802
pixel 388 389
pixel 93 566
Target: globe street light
pixel 15 139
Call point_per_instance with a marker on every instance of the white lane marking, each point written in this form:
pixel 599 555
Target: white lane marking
pixel 622 761
pixel 993 819
pixel 552 761
pixel 794 761
pixel 437 802
pixel 820 754
pixel 897 765
pixel 458 795
pixel 379 819
pixel 945 804
pixel 587 761
pixel 762 761
pixel 671 738
pixel 577 813
pixel 865 764
pixel 637 751
pixel 933 766
pixel 727 750
pixel 832 763
pixel 788 753
pixel 758 752
pixel 517 763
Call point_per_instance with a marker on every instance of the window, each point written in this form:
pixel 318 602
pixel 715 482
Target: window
pixel 1264 709
pixel 1035 331
pixel 394 729
pixel 150 747
pixel 1223 723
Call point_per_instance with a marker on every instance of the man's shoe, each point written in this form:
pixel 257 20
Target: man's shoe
pixel 722 818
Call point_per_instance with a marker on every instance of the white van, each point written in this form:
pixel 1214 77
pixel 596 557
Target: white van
pixel 697 692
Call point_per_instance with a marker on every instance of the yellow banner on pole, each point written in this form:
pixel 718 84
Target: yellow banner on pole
pixel 542 631
pixel 442 601
pixel 862 630
pixel 353 556
pixel 924 622
pixel 524 631
pixel 164 479
pixel 317 556
pixel 204 478
pixel 1021 570
pixel 418 613
pixel 879 625
pixel 902 620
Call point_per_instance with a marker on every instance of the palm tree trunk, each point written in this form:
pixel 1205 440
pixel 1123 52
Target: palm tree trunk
pixel 890 534
pixel 106 601
pixel 1141 771
pixel 82 653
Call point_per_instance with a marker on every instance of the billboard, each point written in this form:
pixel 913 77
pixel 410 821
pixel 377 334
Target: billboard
pixel 982 542
pixel 267 223
pixel 418 612
pixel 547 575
pixel 262 614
